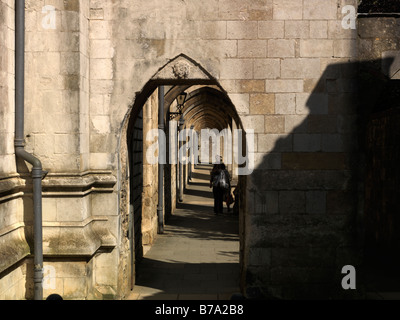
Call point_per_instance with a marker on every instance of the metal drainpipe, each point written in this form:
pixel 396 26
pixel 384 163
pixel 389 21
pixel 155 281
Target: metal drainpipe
pixel 181 155
pixel 161 126
pixel 19 143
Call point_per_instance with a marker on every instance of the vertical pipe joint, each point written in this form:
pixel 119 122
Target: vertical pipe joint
pixel 19 144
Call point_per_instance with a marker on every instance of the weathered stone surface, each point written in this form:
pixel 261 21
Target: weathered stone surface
pixel 252 48
pixel 288 10
pixel 297 29
pixel 274 124
pixel 271 29
pixel 315 231
pixel 280 48
pixel 274 142
pixel 300 68
pixel 242 29
pixel 282 86
pixel 262 104
pixel 316 48
pixel 313 161
pixel 301 179
pixel 320 9
pixel 267 68
pixel 291 202
pixel 319 29
pixel 267 57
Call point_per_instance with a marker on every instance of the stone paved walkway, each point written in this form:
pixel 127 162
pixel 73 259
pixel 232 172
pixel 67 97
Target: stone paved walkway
pixel 197 258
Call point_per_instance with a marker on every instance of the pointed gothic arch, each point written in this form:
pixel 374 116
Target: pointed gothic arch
pixel 179 74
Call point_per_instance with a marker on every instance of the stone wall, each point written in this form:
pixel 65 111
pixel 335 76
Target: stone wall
pixel 57 132
pixel 150 175
pixel 379 40
pixel 382 222
pixel 13 246
pixel 287 66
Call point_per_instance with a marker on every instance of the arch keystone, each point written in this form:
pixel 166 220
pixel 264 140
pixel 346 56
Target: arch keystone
pixel 182 68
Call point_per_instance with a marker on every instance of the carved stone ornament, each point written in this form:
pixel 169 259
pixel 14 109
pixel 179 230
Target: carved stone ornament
pixel 181 69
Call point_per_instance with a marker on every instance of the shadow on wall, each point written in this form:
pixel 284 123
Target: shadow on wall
pixel 307 193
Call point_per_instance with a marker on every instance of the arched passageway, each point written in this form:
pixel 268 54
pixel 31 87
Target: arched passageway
pixel 198 253
pixel 197 257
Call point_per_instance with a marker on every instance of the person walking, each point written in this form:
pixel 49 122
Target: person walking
pixel 218 191
pixel 228 190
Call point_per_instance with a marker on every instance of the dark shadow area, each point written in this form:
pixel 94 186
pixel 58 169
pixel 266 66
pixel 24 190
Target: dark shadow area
pixel 310 192
pixel 198 254
pixel 204 184
pixel 202 176
pixel 133 223
pixel 177 278
pixel 379 6
pixel 199 222
pixel 197 193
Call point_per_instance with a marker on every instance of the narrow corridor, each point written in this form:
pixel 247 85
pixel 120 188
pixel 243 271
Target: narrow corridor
pixel 198 255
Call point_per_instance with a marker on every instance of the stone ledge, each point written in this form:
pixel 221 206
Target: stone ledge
pixel 10 187
pixel 59 184
pixel 77 239
pixel 13 248
pixel 79 184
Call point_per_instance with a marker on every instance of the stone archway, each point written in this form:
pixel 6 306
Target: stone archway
pixel 180 74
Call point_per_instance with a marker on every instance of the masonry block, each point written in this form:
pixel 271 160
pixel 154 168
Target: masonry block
pixel 296 123
pixel 314 103
pixel 101 69
pixel 336 31
pixel 280 48
pixel 242 29
pixel 267 68
pixel 322 124
pixel 270 161
pixel 274 124
pixel 285 103
pixel 307 142
pixel 282 86
pixel 271 29
pixel 314 161
pixel 288 9
pixel 213 30
pixel 251 86
pixel 320 10
pixel 297 29
pixel 316 48
pixel 262 103
pixel 319 29
pixel 241 102
pixel 332 143
pixel 101 49
pixel 292 202
pixel 300 68
pixel 236 69
pixel 252 48
pixel 100 30
pixel 316 202
pixel 345 48
pixel 254 122
pixel 274 143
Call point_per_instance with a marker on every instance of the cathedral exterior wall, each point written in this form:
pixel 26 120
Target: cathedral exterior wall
pixel 286 65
